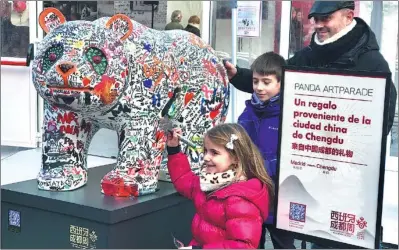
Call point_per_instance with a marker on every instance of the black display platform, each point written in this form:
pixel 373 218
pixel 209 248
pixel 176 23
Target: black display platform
pixel 85 218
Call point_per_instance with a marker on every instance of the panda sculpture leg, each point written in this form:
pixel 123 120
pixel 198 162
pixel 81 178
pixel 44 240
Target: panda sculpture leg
pixel 65 142
pixel 141 148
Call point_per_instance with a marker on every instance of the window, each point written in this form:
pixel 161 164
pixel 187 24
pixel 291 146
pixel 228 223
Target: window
pixel 91 10
pixel 248 49
pixel 74 10
pixel 14 28
pixel 389 49
pixel 302 28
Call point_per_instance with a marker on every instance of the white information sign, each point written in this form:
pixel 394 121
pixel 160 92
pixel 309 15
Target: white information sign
pixel 249 18
pixel 330 156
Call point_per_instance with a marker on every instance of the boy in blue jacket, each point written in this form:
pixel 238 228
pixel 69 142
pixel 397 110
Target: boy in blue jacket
pixel 261 121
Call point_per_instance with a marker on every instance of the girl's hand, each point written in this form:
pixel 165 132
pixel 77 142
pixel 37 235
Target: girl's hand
pixel 173 138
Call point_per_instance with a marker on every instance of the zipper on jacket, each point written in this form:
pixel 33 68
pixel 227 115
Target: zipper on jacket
pixel 257 126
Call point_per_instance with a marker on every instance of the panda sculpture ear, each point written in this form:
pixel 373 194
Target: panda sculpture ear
pixel 50 19
pixel 121 25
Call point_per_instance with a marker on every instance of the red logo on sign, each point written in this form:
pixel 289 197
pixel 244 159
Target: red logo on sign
pixel 361 223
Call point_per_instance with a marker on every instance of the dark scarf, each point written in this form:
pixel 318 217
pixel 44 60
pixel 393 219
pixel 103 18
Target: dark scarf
pixel 259 105
pixel 325 54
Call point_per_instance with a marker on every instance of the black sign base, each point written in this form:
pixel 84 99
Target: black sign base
pixel 85 218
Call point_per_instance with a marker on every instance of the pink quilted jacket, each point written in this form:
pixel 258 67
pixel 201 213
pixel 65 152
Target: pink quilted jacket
pixel 228 218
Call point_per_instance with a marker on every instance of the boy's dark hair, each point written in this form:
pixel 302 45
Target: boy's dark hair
pixel 269 63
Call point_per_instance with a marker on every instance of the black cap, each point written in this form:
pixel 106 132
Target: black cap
pixel 325 8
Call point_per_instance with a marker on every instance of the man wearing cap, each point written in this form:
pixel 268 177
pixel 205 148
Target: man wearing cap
pixel 340 41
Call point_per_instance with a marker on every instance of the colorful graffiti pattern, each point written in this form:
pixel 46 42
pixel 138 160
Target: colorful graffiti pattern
pixel 118 74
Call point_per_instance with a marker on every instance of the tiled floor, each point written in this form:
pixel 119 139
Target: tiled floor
pixel 19 164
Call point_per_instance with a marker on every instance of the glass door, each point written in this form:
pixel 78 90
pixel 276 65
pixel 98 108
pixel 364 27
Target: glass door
pixel 248 49
pixel 18 95
pixel 389 49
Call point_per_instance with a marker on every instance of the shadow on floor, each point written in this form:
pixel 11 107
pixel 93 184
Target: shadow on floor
pixel 7 151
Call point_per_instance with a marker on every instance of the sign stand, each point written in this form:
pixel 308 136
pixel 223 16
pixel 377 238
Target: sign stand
pixel 332 156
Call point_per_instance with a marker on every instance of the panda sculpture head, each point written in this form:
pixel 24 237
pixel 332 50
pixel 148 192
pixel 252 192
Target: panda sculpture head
pixel 82 66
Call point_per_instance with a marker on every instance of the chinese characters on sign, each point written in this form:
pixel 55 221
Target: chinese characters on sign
pixel 330 151
pixel 322 150
pixel 345 223
pixel 342 223
pixel 82 238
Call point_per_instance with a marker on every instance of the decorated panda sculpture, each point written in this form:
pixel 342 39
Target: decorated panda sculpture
pixel 118 74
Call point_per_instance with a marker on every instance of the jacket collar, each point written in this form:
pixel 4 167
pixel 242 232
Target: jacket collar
pixel 194 25
pixel 365 42
pixel 270 108
pixel 337 36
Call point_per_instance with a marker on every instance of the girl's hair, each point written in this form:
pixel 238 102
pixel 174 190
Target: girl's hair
pixel 194 19
pixel 250 160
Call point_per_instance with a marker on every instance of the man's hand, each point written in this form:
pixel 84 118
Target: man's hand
pixel 231 69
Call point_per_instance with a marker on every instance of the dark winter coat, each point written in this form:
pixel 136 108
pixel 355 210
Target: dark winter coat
pixel 193 30
pixel 174 26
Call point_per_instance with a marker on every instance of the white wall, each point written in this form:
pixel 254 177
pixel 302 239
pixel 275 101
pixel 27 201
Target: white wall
pixel 18 107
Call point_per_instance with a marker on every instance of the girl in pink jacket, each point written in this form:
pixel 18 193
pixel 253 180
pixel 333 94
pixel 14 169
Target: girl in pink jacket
pixel 231 195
